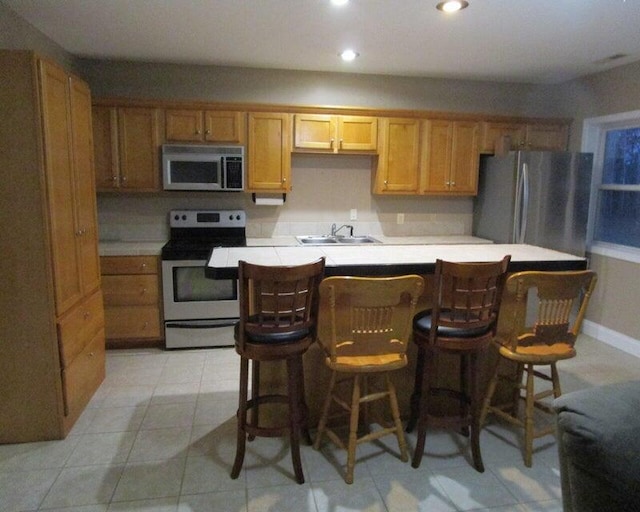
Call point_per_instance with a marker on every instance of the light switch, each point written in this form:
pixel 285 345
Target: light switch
pixel 400 218
pixel 354 214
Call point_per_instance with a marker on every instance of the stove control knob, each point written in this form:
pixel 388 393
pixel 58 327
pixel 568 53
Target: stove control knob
pixel 176 217
pixel 184 217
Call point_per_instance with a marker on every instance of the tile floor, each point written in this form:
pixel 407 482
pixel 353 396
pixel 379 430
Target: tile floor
pixel 160 436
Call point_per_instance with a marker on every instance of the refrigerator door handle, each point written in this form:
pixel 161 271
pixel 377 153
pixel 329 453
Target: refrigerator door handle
pixel 524 206
pixel 517 213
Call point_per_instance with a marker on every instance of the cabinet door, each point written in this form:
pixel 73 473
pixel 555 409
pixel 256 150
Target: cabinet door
pixel 105 147
pixel 465 158
pixel 315 131
pixel 492 131
pixel 547 137
pixel 138 137
pixel 184 125
pixel 85 192
pixel 224 126
pixel 399 157
pixel 268 153
pixel 54 83
pixel 357 133
pixel 436 156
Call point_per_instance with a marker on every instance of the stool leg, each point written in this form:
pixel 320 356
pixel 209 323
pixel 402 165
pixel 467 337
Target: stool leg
pixel 304 410
pixel 555 379
pixel 395 413
pixel 241 417
pixel 322 424
pixel 295 418
pixel 474 405
pixel 465 394
pixel 255 393
pixel 414 403
pixel 353 429
pixel 491 388
pixel 424 410
pixel 528 421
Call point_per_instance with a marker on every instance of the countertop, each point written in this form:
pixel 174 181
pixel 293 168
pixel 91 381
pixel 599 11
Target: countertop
pixel 390 259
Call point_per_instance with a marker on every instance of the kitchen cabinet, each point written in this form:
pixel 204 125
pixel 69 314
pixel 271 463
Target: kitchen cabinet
pixel 398 165
pixel 52 311
pixel 334 134
pixel 268 152
pixel 127 148
pixel 189 125
pixel 523 135
pixel 450 157
pixel 131 290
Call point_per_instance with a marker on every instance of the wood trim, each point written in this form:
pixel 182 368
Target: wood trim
pixel 324 109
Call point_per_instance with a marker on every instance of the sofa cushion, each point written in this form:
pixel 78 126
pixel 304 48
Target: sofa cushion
pixel 599 440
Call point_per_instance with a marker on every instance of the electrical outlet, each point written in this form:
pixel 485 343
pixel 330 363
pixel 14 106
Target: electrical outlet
pixel 354 214
pixel 400 218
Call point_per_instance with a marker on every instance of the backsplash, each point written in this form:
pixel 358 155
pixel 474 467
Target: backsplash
pixel 325 191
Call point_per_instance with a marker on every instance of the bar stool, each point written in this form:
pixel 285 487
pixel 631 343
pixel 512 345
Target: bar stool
pixel 466 298
pixel 561 300
pixel 365 334
pixel 278 319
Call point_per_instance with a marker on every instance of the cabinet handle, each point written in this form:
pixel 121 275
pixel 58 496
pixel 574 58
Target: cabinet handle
pixel 207 132
pixel 91 354
pixel 143 291
pixel 331 143
pixel 86 315
pixel 341 143
pixel 143 266
pixel 453 183
pixel 197 132
pixel 124 179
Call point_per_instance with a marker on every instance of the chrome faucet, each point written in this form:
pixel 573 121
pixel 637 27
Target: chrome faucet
pixel 334 230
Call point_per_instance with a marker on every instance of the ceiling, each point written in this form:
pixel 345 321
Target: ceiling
pixel 533 41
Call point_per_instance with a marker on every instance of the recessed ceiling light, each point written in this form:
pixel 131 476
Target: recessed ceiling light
pixel 348 55
pixel 339 2
pixel 452 5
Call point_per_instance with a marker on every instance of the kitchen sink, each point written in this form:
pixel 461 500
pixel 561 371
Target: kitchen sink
pixel 336 240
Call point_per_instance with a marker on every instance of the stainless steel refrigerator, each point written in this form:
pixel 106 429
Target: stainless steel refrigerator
pixel 535 197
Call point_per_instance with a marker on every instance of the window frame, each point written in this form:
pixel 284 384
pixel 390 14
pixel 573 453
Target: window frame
pixel 593 140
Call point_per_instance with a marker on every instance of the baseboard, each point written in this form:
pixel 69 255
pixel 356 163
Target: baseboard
pixel 610 337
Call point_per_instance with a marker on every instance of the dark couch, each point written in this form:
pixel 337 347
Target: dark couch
pixel 599 448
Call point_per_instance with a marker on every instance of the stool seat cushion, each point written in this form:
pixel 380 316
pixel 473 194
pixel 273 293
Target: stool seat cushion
pixel 599 443
pixel 275 337
pixel 422 322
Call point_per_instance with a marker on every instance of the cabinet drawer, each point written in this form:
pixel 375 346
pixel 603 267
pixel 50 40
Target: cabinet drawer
pixel 132 322
pixel 131 290
pixel 79 327
pixel 84 375
pixel 129 265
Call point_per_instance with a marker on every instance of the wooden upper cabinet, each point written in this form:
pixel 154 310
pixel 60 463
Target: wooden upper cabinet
pixel 85 190
pixel 190 125
pixel 127 148
pixel 450 157
pixel 397 170
pixel 332 134
pixel 268 153
pixel 58 151
pixel 497 136
pixel 547 137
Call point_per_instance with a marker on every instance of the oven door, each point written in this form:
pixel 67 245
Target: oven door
pixel 190 296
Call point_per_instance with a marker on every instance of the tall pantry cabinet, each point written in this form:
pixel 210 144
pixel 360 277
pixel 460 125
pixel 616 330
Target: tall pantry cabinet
pixel 52 349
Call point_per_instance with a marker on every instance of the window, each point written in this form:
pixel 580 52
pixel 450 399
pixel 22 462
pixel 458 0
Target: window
pixel 615 208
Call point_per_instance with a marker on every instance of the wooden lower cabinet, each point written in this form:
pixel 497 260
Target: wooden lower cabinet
pixel 131 289
pixel 81 345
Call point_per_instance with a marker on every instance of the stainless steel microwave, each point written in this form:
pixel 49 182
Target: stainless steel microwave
pixel 201 167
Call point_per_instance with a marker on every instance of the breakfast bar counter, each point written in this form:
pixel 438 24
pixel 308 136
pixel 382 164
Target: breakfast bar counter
pixel 381 260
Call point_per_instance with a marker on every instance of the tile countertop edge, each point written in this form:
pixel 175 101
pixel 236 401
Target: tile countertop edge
pixel 381 257
pixel 130 248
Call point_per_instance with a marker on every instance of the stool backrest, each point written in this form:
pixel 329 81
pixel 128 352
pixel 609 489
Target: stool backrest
pixel 278 299
pixel 561 300
pixel 466 296
pixel 369 316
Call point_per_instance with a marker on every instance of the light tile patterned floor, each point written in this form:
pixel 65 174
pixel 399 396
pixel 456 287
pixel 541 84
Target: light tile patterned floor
pixel 160 436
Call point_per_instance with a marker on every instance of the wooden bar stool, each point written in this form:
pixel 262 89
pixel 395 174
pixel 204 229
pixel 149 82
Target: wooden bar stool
pixel 278 320
pixel 466 298
pixel 561 300
pixel 365 334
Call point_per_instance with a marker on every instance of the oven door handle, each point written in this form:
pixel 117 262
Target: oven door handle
pixel 203 324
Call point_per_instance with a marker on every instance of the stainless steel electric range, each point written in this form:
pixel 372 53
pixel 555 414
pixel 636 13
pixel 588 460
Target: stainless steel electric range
pixel 199 311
